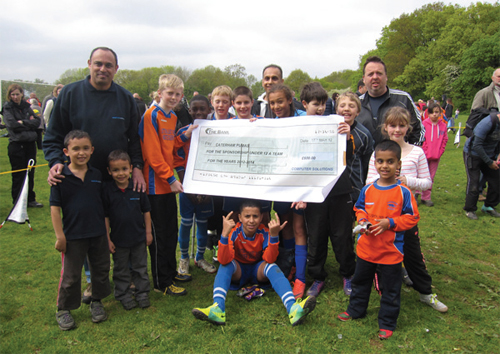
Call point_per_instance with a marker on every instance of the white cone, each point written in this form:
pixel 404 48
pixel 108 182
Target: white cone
pixel 457 136
pixel 19 213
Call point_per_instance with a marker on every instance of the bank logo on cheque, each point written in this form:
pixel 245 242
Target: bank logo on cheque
pixel 210 131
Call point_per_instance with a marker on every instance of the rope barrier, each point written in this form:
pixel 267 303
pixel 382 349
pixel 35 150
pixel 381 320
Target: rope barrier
pixel 23 169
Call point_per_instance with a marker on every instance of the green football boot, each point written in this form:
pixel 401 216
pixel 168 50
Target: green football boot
pixel 212 314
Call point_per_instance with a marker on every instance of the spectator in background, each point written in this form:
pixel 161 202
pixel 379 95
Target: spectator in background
pixel 489 96
pixel 38 111
pixel 49 104
pixel 155 99
pixel 482 154
pixel 33 95
pixel 140 104
pixel 448 112
pixel 22 124
pixel 361 88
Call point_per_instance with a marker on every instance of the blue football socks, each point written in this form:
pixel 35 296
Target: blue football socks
pixel 289 244
pixel 202 237
pixel 280 285
pixel 300 262
pixel 222 283
pixel 184 234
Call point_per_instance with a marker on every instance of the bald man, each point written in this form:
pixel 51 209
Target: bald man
pixel 489 96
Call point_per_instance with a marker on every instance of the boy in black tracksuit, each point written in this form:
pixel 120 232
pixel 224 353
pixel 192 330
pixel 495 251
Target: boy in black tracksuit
pixel 331 219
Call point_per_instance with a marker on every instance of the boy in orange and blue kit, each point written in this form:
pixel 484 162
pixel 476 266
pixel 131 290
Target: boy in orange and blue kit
pixel 385 209
pixel 247 252
pixel 197 205
pixel 158 142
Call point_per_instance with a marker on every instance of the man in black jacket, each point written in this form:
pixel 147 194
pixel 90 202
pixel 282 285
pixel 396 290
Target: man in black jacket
pixel 379 98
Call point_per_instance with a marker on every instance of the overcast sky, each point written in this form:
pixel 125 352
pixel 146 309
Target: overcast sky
pixel 42 39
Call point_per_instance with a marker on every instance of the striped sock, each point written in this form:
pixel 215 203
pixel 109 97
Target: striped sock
pixel 201 237
pixel 222 283
pixel 280 285
pixel 184 234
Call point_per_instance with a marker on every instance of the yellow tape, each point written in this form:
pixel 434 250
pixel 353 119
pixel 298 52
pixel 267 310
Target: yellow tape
pixel 24 169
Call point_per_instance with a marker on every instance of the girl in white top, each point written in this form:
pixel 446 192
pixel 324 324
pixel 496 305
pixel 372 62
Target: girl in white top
pixel 414 168
pixel 414 174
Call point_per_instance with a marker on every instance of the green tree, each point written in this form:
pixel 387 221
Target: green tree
pixel 72 75
pixel 257 89
pixel 235 75
pixel 443 35
pixel 144 81
pixel 477 65
pixel 206 79
pixel 341 80
pixel 296 79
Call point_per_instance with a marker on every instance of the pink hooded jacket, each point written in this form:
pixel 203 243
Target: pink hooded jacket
pixel 436 138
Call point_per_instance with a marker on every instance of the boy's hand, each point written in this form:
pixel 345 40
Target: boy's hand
pixel 275 227
pixel 253 119
pixel 176 187
pixel 61 245
pixel 227 224
pixel 380 227
pixel 189 130
pixel 149 238
pixel 111 246
pixel 299 205
pixel 345 128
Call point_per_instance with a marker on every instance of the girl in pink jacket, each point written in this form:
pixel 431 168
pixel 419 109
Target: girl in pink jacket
pixel 434 145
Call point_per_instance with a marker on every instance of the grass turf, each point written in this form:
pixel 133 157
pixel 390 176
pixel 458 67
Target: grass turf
pixel 462 257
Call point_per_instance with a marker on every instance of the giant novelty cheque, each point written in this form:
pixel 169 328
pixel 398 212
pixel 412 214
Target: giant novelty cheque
pixel 292 159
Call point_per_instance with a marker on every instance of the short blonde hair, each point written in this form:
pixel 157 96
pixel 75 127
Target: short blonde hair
pixel 223 90
pixel 351 96
pixel 170 80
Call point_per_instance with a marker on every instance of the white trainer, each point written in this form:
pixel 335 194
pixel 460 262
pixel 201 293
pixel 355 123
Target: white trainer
pixel 183 266
pixel 433 302
pixel 207 267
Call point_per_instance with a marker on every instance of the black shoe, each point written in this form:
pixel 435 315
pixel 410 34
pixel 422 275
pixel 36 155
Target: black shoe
pixel 406 278
pixel 87 294
pixel 144 303
pixel 35 204
pixel 183 278
pixel 129 304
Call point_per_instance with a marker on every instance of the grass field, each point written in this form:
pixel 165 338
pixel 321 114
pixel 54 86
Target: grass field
pixel 462 257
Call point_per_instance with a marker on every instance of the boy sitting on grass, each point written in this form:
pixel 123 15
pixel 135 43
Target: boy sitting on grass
pixel 387 208
pixel 84 231
pixel 128 215
pixel 247 252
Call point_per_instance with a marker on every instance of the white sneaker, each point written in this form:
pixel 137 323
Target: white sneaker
pixel 207 267
pixel 183 266
pixel 433 302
